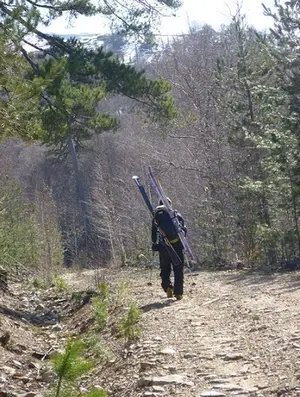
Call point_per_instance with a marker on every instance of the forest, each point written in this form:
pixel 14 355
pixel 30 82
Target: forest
pixel 214 112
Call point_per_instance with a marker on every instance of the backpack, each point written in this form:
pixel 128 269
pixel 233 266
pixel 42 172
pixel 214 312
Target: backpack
pixel 164 222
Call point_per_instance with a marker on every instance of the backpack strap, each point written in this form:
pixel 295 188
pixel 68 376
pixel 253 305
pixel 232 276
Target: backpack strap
pixel 175 240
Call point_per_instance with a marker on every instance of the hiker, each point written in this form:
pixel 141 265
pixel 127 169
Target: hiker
pixel 165 260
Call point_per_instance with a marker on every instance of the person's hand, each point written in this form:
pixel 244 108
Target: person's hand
pixel 155 247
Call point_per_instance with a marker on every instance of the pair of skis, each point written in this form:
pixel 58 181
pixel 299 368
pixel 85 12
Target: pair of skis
pixel 173 254
pixel 156 184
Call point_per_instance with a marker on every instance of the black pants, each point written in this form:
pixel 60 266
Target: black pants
pixel 165 269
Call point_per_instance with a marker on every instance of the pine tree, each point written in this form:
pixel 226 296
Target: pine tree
pixel 71 80
pixel 281 116
pixel 17 106
pixel 69 366
pixel 270 135
pixel 240 75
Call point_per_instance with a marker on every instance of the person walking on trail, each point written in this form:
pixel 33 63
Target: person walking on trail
pixel 165 260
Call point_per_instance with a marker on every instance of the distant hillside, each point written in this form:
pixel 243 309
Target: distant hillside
pixel 127 50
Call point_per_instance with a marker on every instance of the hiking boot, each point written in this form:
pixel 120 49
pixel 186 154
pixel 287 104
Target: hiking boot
pixel 179 297
pixel 169 292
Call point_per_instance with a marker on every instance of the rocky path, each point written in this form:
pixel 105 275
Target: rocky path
pixel 234 333
pixel 231 335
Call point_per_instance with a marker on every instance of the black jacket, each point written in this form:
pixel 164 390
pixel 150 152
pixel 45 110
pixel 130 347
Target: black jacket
pixel 155 233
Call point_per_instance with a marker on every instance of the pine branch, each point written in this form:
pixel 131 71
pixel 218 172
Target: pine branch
pixel 32 29
pixel 48 6
pixel 30 61
pixel 116 15
pixel 44 50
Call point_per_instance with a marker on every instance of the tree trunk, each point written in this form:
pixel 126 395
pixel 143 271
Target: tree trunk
pixel 80 189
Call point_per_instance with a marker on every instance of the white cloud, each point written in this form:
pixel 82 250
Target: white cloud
pixel 213 12
pixel 216 13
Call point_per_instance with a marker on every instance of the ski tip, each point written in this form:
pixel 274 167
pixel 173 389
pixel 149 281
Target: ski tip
pixel 135 177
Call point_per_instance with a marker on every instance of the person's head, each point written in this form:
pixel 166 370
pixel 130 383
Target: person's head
pixel 168 200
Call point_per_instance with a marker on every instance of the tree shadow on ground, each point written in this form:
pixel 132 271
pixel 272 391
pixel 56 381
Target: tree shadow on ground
pixel 156 305
pixel 250 277
pixel 42 319
pixel 279 281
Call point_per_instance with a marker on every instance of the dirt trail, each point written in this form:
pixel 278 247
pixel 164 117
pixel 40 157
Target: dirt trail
pixel 233 334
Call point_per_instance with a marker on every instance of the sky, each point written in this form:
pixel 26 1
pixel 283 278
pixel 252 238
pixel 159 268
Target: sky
pixel 212 12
